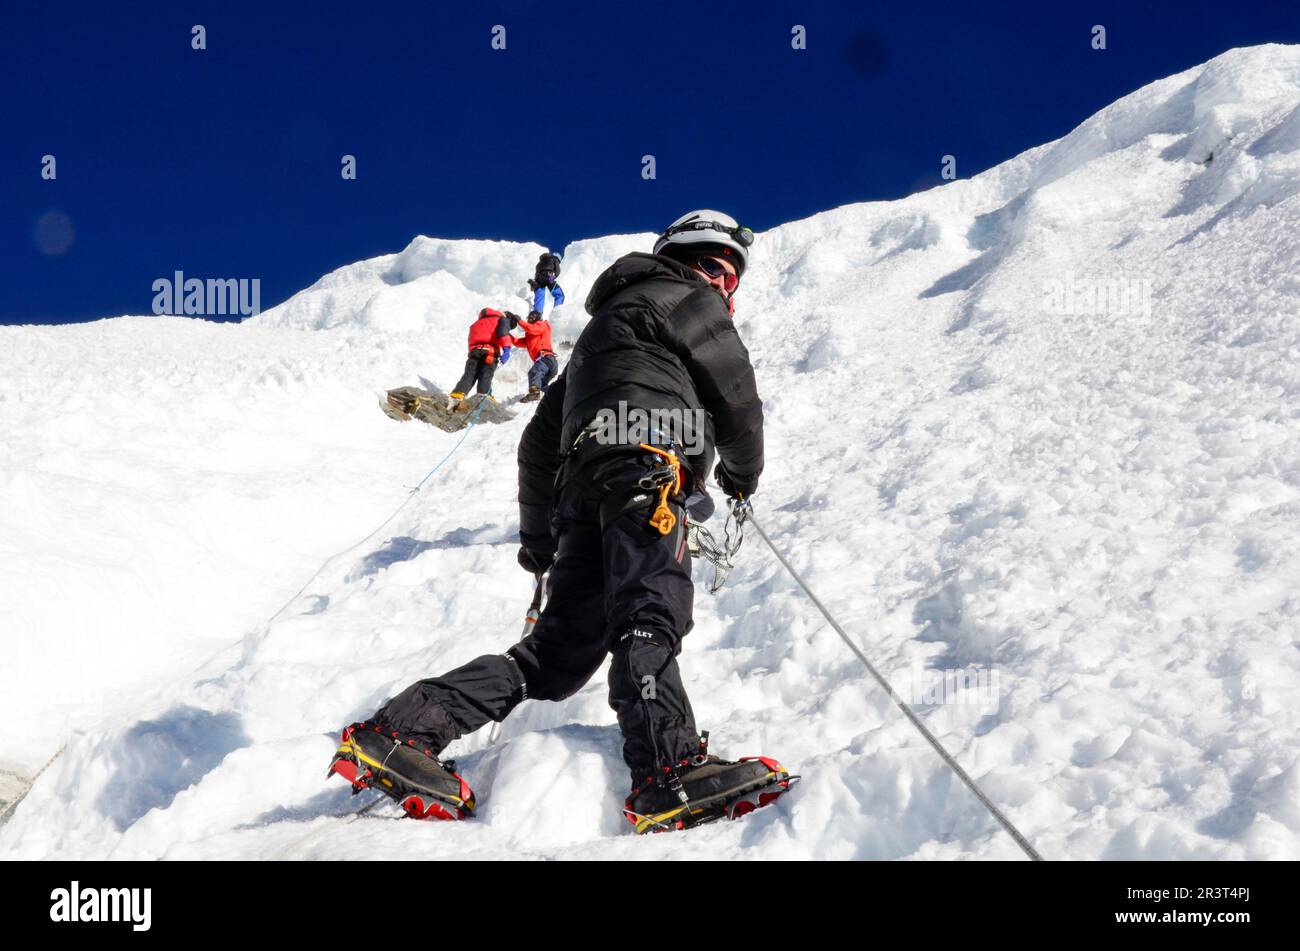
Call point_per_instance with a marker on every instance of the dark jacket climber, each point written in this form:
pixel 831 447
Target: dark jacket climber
pixel 659 382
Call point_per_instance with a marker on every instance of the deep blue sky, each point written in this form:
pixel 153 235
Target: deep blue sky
pixel 225 163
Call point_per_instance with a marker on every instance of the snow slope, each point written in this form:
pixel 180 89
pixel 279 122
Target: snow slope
pixel 1043 423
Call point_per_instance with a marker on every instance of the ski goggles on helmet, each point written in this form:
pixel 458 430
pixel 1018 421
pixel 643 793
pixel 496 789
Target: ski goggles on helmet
pixel 742 235
pixel 714 269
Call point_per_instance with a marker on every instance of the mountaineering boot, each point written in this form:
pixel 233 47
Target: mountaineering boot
pixel 534 394
pixel 370 757
pixel 471 402
pixel 704 788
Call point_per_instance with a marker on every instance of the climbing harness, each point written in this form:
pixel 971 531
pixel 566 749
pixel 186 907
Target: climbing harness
pixel 666 477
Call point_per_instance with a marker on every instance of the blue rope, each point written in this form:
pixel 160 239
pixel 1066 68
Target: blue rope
pixel 473 419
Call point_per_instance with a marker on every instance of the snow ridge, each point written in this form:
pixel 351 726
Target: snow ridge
pixel 1042 423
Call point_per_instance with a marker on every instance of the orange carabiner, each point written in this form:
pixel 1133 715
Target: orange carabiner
pixel 663 519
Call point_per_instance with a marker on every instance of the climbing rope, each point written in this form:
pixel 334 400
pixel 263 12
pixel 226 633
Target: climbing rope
pixel 32 782
pixel 405 502
pixel 746 514
pixel 382 525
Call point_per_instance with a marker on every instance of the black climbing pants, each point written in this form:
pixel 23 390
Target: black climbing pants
pixel 480 366
pixel 617 586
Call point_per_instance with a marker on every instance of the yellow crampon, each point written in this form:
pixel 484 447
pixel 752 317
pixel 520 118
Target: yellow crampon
pixel 663 518
pixel 350 751
pixel 761 792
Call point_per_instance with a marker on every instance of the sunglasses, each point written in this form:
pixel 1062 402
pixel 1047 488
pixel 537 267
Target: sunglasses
pixel 715 269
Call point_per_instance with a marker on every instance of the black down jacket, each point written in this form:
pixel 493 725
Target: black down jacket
pixel 659 339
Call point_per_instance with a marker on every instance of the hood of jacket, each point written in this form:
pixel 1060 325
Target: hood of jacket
pixel 632 269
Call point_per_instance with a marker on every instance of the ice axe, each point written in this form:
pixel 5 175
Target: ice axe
pixel 534 612
pixel 535 609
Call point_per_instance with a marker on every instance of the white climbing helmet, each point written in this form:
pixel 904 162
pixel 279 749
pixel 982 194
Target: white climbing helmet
pixel 709 232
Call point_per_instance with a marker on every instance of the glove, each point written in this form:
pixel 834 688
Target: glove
pixel 536 553
pixel 513 318
pixel 535 562
pixel 505 355
pixel 735 488
pixel 699 505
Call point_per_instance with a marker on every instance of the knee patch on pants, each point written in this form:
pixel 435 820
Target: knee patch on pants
pixel 553 675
